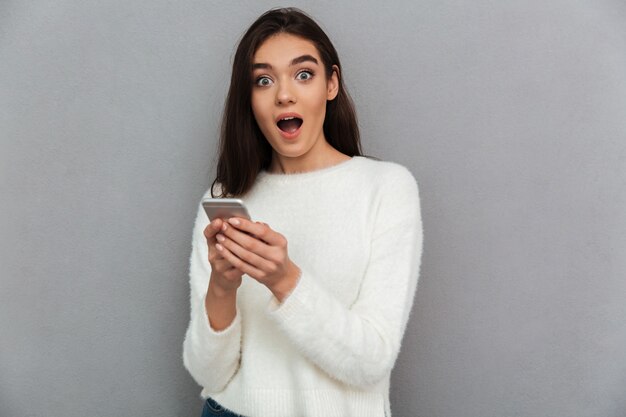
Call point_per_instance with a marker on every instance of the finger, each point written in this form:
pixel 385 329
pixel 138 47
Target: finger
pixel 215 256
pixel 264 224
pixel 247 256
pixel 247 241
pixel 239 264
pixel 261 230
pixel 222 266
pixel 233 274
pixel 212 228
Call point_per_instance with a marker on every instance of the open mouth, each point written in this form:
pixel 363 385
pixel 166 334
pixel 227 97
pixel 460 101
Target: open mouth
pixel 289 124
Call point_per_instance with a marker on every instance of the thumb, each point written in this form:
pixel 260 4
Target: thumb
pixel 212 228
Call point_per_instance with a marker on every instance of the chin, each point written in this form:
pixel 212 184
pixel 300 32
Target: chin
pixel 290 150
pixel 290 154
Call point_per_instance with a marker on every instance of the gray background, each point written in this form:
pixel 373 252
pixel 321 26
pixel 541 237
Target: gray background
pixel 512 115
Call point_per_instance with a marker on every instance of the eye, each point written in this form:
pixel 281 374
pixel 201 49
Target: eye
pixel 305 75
pixel 263 81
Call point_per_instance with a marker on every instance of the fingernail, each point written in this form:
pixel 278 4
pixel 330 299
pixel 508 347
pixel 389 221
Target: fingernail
pixel 218 246
pixel 224 226
pixel 234 221
pixel 220 238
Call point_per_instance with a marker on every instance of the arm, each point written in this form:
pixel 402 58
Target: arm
pixel 357 345
pixel 211 356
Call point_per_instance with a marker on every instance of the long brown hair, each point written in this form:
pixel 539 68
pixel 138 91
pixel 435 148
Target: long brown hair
pixel 243 150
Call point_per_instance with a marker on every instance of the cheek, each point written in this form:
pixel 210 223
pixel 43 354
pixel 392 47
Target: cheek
pixel 257 107
pixel 262 113
pixel 319 104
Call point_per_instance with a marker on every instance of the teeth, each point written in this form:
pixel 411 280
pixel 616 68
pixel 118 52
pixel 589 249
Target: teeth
pixel 288 118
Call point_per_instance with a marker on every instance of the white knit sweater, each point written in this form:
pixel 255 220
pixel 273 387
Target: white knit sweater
pixel 355 231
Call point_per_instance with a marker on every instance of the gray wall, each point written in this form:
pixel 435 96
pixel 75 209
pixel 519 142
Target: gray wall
pixel 512 115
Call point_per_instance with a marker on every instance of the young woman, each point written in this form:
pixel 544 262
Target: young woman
pixel 302 311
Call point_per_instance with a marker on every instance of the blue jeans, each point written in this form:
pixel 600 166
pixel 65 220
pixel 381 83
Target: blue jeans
pixel 213 409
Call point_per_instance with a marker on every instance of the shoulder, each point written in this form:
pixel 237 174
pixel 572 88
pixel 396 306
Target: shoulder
pixel 386 175
pixel 393 190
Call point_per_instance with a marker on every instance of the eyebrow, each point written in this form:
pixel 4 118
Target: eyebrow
pixel 295 61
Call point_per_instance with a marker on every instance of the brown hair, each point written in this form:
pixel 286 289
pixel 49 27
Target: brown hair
pixel 243 150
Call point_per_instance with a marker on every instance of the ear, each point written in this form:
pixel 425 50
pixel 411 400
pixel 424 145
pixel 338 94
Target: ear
pixel 333 84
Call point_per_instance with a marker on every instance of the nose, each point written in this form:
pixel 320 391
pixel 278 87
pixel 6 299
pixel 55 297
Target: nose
pixel 284 95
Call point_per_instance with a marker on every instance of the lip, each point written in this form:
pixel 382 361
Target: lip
pixel 291 114
pixel 293 134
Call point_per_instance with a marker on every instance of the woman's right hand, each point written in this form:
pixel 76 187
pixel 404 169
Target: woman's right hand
pixel 225 278
pixel 221 297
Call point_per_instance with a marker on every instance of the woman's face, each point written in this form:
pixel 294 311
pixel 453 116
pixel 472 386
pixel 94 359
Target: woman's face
pixel 289 95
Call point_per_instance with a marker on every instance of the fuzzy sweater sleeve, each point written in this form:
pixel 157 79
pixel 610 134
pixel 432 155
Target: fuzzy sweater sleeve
pixel 358 345
pixel 211 357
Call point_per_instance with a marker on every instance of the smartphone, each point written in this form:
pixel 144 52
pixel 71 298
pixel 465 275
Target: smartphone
pixel 224 208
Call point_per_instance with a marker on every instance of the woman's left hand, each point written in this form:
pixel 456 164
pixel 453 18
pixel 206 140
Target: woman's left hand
pixel 257 250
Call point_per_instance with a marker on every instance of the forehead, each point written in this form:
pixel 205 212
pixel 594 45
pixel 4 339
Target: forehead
pixel 280 49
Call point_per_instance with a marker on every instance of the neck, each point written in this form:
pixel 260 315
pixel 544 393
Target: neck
pixel 286 165
pixel 323 158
